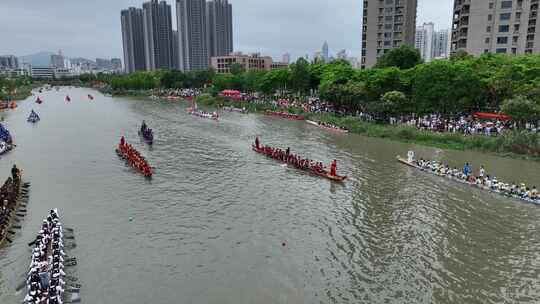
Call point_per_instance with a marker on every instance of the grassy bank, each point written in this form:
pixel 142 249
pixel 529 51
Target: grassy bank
pixel 519 144
pixel 513 144
pixel 20 93
pixel 516 144
pixel 24 92
pixel 125 92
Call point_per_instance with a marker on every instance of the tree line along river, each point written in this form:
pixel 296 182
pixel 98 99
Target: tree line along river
pixel 219 223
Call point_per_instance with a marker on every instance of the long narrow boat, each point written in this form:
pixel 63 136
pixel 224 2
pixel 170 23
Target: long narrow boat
pixel 124 156
pixel 284 115
pixel 202 114
pixel 47 281
pixel 461 181
pixel 235 110
pixel 17 198
pixel 322 173
pixel 320 125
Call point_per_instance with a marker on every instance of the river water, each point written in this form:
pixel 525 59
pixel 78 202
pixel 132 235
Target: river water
pixel 211 224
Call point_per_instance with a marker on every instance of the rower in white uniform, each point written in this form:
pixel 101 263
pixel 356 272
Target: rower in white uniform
pixel 410 156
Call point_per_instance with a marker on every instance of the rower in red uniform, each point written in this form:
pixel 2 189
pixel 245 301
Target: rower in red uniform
pixel 122 141
pixel 333 168
pixel 257 143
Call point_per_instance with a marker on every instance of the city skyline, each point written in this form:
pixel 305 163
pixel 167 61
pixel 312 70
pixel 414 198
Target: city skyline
pixel 267 28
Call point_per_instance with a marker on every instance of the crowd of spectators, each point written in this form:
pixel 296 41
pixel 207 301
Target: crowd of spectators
pixel 184 93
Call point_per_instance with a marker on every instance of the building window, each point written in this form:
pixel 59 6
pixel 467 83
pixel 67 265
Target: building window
pixel 505 16
pixel 491 5
pixel 500 51
pixel 516 27
pixel 506 4
pixel 490 17
pixel 488 29
pixel 504 28
pixel 487 40
pixel 502 40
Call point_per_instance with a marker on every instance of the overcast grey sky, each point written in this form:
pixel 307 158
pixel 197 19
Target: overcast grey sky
pixel 91 28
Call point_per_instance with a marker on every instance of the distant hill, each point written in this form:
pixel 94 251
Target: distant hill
pixel 37 59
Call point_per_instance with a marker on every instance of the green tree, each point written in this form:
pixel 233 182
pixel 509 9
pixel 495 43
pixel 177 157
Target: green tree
pixel 390 104
pixel 522 110
pixel 316 71
pixel 460 55
pixel 237 69
pixel 300 76
pixel 445 87
pixel 403 57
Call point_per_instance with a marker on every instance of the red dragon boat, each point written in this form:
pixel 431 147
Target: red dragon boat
pixel 320 172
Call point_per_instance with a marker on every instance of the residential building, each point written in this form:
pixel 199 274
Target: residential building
pixel 386 25
pixel 192 41
pixel 158 37
pixel 279 65
pixel 176 62
pixel 317 56
pixel 342 54
pixel 133 40
pixel 58 60
pixel 441 48
pixel 103 64
pixel 425 40
pixel 503 26
pixel 249 62
pixel 9 62
pixel 12 73
pixel 324 52
pixel 116 64
pixel 42 72
pixel 353 61
pixel 219 29
pixel 62 73
pixel 286 58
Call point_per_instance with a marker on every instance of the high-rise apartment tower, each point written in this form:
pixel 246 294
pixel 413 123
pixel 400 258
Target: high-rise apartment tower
pixel 496 26
pixel 158 36
pixel 133 39
pixel 386 24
